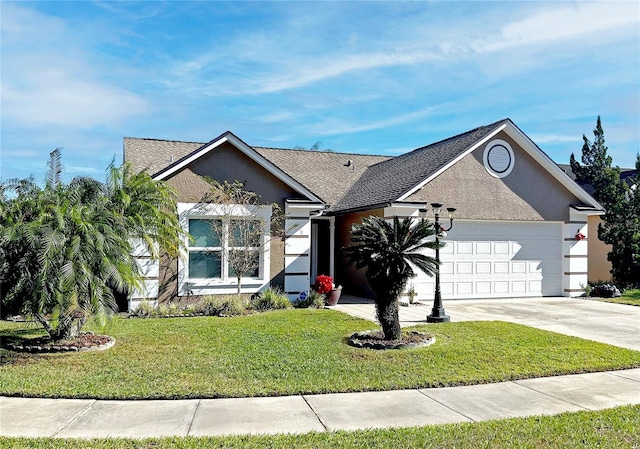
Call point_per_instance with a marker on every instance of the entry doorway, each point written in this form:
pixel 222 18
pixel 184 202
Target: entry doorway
pixel 320 248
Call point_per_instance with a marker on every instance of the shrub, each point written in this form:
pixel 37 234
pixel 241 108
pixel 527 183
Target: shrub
pixel 144 310
pixel 605 290
pixel 224 305
pixel 269 299
pixel 314 300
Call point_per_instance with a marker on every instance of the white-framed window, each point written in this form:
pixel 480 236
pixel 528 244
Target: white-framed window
pixel 224 236
pixel 498 158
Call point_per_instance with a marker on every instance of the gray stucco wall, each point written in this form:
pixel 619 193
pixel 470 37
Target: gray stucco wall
pixel 528 193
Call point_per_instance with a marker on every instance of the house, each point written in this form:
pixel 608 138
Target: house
pixel 599 267
pixel 514 235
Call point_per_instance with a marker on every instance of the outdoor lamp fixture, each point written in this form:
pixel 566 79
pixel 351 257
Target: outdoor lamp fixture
pixel 437 312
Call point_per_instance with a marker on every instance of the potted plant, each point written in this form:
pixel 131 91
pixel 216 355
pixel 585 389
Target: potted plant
pixel 324 285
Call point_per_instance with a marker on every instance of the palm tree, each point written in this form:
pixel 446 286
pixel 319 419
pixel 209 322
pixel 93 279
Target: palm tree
pixel 389 252
pixel 67 247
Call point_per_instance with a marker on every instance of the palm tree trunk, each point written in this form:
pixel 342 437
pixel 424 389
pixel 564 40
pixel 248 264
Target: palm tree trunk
pixel 388 315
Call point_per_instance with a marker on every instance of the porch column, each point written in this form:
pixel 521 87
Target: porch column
pixel 297 247
pixel 332 247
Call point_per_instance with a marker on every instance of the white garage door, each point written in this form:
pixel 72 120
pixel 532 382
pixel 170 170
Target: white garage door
pixel 497 260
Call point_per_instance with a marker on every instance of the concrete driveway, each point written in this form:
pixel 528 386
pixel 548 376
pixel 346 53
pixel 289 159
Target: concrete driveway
pixel 615 324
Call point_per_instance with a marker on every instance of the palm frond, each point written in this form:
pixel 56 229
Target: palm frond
pixel 54 169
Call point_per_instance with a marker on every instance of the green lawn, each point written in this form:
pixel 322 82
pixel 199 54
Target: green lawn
pixel 291 352
pixel 611 429
pixel 630 297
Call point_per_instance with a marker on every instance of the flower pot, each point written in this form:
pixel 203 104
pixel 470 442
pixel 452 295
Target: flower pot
pixel 333 296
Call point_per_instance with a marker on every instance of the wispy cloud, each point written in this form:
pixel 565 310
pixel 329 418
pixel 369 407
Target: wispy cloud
pixel 45 83
pixel 558 22
pixel 336 126
pixel 556 138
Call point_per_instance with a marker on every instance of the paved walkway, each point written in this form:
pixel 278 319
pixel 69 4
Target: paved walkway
pixel 349 411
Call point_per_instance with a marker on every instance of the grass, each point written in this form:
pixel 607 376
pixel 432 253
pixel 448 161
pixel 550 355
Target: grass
pixel 613 428
pixel 630 297
pixel 292 352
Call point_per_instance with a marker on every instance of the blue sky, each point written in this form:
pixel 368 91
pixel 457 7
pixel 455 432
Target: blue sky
pixel 362 77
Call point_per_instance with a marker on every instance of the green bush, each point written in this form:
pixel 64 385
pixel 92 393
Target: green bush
pixel 270 298
pixel 147 310
pixel 144 310
pixel 224 305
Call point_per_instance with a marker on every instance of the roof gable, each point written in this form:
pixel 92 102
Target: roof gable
pixel 396 179
pixel 203 149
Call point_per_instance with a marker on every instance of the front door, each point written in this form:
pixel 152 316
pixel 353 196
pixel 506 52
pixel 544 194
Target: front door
pixel 320 248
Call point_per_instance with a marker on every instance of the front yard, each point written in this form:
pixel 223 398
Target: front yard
pixel 292 352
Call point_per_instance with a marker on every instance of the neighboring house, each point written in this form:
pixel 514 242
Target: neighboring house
pixel 514 235
pixel 599 266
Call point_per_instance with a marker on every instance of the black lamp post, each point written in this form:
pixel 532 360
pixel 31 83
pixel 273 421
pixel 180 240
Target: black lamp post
pixel 438 314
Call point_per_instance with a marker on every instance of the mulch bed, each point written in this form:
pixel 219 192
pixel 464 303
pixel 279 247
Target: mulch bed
pixel 84 342
pixel 375 340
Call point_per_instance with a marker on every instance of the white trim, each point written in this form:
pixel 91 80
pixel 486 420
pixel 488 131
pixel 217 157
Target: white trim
pixel 224 284
pixel 487 163
pixel 452 162
pixel 539 156
pixel 248 151
pixel 529 147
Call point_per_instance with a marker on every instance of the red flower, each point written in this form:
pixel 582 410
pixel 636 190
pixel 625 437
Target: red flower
pixel 324 284
pixel 580 236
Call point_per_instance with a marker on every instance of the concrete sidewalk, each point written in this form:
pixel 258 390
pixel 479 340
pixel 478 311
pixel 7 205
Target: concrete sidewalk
pixel 80 418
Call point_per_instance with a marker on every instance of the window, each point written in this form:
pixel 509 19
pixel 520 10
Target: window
pixel 498 158
pixel 233 245
pixel 205 250
pixel 225 239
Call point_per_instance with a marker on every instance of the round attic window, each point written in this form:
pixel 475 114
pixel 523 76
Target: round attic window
pixel 498 158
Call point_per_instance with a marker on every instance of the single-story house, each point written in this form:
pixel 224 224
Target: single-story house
pixel 517 230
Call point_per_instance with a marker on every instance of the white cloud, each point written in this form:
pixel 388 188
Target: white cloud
pixel 600 20
pixel 336 126
pixel 48 77
pixel 547 138
pixel 257 62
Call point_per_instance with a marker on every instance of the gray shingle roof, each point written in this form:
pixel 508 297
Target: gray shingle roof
pixel 326 174
pixel 153 155
pixel 387 181
pixel 342 180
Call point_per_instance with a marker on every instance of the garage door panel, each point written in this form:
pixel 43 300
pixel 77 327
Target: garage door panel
pixel 484 259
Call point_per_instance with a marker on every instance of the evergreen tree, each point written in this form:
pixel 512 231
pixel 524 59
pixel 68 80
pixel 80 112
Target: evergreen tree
pixel 620 225
pixel 620 228
pixel 596 169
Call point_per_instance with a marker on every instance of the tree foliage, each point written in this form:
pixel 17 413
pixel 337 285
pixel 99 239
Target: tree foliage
pixel 620 225
pixel 65 247
pixel 389 252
